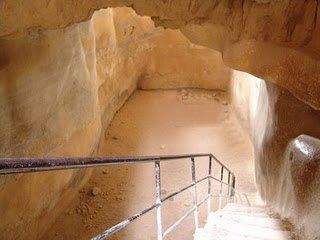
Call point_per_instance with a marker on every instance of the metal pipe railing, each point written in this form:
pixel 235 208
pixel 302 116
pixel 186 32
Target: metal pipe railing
pixel 39 164
pixel 195 195
pixel 209 184
pixel 27 165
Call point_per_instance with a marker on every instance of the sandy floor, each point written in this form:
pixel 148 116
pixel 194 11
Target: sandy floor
pixel 153 123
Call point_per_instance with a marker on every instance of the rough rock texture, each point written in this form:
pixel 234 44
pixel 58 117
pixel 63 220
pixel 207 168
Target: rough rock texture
pixel 53 97
pixel 250 34
pixel 122 41
pixel 300 185
pixel 56 71
pixel 174 62
pixel 150 123
pixel 46 81
pixel 278 41
pixel 60 88
pixel 285 175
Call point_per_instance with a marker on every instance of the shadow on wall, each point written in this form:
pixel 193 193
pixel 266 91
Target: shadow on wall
pixel 285 176
pixel 47 83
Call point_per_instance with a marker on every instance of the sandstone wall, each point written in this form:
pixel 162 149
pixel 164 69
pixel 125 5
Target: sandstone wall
pixel 47 80
pixel 174 62
pixel 268 38
pixel 275 40
pixel 286 161
pixel 59 89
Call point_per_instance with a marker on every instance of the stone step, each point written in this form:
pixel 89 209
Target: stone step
pixel 245 230
pixel 264 221
pixel 245 208
pixel 223 234
pixel 238 222
pixel 247 213
pixel 203 234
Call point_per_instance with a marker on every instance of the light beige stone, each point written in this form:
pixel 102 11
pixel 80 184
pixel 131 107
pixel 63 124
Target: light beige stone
pixel 285 173
pixel 284 25
pixel 66 67
pixel 174 62
pixel 59 90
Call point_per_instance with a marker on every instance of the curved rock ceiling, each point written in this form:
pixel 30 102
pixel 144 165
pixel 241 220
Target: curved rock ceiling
pixel 278 41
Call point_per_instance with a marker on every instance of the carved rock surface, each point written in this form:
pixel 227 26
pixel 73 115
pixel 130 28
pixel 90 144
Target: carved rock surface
pixel 303 174
pixel 290 28
pixel 45 49
pixel 60 88
pixel 286 159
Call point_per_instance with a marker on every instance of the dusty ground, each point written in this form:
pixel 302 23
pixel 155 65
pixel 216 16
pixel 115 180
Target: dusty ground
pixel 152 123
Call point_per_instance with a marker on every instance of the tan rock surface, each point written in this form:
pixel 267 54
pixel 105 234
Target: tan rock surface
pixel 218 24
pixel 60 88
pixel 299 198
pixel 275 119
pixel 49 58
pixel 184 121
pixel 174 62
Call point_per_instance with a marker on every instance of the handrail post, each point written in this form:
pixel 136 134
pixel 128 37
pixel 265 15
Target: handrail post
pixel 220 194
pixel 229 187
pixel 233 187
pixel 209 185
pixel 30 165
pixel 158 200
pixel 195 198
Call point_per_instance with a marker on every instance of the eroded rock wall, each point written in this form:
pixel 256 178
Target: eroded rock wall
pixel 276 122
pixel 177 63
pixel 46 81
pixel 270 39
pixel 123 41
pixel 299 178
pixel 274 40
pixel 59 89
pixel 56 71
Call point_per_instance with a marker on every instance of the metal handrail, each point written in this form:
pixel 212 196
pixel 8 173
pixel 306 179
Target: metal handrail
pixel 27 165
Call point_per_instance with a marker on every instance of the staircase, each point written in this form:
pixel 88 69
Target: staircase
pixel 233 222
pixel 243 222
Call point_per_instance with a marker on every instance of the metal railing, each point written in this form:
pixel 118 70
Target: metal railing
pixel 25 165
